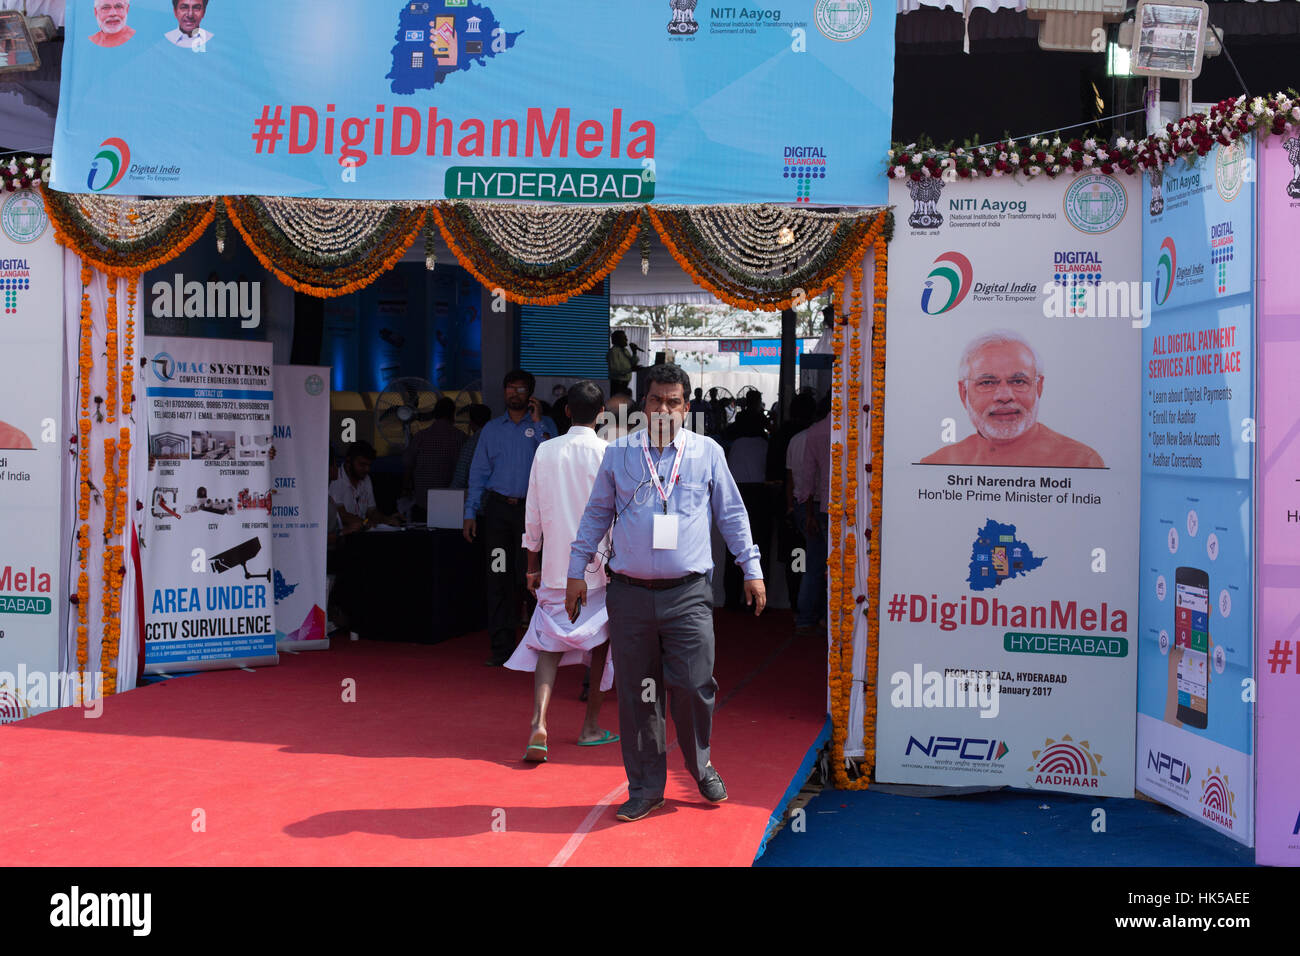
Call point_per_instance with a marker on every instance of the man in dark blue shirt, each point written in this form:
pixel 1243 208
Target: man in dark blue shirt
pixel 498 484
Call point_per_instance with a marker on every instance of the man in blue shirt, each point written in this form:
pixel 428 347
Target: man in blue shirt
pixel 661 488
pixel 498 484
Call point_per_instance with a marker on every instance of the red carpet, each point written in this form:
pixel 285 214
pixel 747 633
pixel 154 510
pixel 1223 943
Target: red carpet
pixel 423 768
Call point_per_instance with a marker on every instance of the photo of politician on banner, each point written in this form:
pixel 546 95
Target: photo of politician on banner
pixel 1010 487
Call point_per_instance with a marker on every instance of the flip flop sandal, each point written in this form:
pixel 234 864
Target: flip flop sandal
pixel 536 753
pixel 608 738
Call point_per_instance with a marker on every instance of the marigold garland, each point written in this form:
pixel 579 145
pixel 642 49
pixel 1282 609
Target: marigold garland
pixel 533 285
pixel 774 293
pixel 842 562
pixel 382 250
pixel 85 367
pixel 839 676
pixel 870 700
pixel 119 259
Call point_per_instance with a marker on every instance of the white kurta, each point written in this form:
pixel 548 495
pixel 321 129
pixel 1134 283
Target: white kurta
pixel 550 630
pixel 559 483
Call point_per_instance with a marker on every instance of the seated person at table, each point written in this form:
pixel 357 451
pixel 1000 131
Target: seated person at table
pixel 353 493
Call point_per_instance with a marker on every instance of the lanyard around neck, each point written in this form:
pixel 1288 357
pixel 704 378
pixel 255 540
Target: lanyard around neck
pixel 654 472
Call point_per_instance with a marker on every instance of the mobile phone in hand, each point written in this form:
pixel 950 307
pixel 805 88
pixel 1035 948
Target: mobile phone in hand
pixel 577 612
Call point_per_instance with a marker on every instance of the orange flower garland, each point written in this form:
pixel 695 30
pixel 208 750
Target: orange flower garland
pixel 835 561
pixel 70 233
pixel 85 367
pixel 527 291
pixel 359 275
pixel 736 296
pixel 876 468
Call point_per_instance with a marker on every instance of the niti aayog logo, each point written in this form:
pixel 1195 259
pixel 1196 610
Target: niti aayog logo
pixel 1166 269
pixel 109 165
pixel 1064 763
pixel 1217 799
pixel 952 276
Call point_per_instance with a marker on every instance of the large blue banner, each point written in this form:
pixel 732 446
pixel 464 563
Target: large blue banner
pixel 1196 652
pixel 584 101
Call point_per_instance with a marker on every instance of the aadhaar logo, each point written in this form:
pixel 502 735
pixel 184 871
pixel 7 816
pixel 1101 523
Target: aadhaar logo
pixel 109 165
pixel 1166 269
pixel 1217 799
pixel 952 276
pixel 1064 763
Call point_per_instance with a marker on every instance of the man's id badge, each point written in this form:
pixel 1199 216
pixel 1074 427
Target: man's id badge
pixel 665 534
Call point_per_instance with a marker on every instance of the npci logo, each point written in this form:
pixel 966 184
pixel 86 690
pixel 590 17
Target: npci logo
pixel 116 158
pixel 947 284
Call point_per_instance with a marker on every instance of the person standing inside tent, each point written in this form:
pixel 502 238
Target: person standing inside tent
pixel 479 415
pixel 666 486
pixel 620 362
pixel 498 485
pixel 431 457
pixel 558 487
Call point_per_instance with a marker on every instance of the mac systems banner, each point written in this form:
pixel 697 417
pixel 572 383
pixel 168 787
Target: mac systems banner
pixel 31 453
pixel 584 101
pixel 300 471
pixel 1011 486
pixel 1195 630
pixel 207 559
pixel 1277 817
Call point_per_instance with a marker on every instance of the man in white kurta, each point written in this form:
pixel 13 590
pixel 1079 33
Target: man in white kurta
pixel 559 483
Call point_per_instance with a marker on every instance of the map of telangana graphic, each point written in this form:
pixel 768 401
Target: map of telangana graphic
pixel 440 37
pixel 997 556
pixel 282 588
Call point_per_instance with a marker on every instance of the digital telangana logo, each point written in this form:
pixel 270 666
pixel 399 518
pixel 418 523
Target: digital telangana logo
pixel 1166 269
pixel 954 270
pixel 1064 763
pixel 115 157
pixel 1217 799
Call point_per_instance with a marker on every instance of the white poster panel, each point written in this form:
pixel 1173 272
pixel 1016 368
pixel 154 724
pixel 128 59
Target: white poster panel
pixel 300 470
pixel 31 450
pixel 207 560
pixel 1009 538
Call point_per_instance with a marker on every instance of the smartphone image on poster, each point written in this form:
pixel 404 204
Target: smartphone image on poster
pixel 444 35
pixel 1192 634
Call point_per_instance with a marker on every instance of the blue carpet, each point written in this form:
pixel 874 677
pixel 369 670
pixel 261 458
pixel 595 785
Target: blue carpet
pixel 796 784
pixel 1002 828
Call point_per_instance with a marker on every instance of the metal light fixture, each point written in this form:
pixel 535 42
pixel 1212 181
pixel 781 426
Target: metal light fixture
pixel 1074 26
pixel 1169 38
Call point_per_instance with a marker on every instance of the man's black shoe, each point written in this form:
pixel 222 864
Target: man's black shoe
pixel 495 662
pixel 637 808
pixel 712 788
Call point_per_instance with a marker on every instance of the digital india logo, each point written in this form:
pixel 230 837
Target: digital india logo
pixel 115 157
pixel 952 276
pixel 1166 269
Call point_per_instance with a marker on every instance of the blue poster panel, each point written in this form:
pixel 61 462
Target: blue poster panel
pixel 1196 649
pixel 581 102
